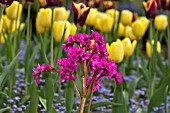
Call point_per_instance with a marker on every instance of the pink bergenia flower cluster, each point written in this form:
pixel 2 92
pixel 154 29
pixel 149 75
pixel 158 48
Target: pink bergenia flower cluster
pixel 40 69
pixel 81 49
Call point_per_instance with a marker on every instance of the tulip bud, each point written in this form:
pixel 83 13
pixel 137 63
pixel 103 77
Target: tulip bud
pixel 59 27
pixel 6 3
pixel 113 13
pixel 128 46
pixel 107 27
pixel 80 13
pixel 150 8
pixel 121 30
pixel 14 10
pixel 126 17
pixel 129 33
pixel 138 28
pixel 10 25
pixel 161 22
pixel 39 28
pixel 43 3
pixel 149 48
pixel 73 29
pixel 116 51
pixel 45 17
pixel 60 13
pixel 165 4
pixel 2 40
pixel 91 18
pixel 145 21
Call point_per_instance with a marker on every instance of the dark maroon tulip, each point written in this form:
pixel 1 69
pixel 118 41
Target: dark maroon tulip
pixel 97 3
pixel 80 13
pixel 150 8
pixel 165 4
pixel 52 3
pixel 6 3
pixel 30 1
pixel 158 3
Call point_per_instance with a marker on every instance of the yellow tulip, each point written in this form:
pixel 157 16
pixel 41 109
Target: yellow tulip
pixel 113 13
pixel 116 51
pixel 73 29
pixel 145 21
pixel 59 27
pixel 39 27
pixel 121 30
pixel 2 39
pixel 149 48
pixel 45 17
pixel 161 22
pixel 13 10
pixel 91 18
pixel 128 46
pixel 10 25
pixel 129 33
pixel 60 13
pixel 1 24
pixel 138 28
pixel 126 17
pixel 104 23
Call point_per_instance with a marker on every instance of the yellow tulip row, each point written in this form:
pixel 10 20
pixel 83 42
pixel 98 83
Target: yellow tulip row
pixel 117 50
pixel 11 20
pixel 124 48
pixel 44 18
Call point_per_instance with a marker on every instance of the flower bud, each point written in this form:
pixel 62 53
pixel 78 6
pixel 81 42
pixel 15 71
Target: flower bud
pixel 129 33
pixel 149 48
pixel 165 4
pixel 80 13
pixel 113 13
pixel 150 8
pixel 161 22
pixel 45 17
pixel 116 51
pixel 60 13
pixel 107 27
pixel 14 10
pixel 73 29
pixel 126 17
pixel 138 28
pixel 128 46
pixel 39 27
pixel 91 18
pixel 2 38
pixel 121 30
pixel 59 27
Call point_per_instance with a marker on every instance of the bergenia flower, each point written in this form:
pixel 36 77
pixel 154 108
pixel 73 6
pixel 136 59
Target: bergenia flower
pixel 80 13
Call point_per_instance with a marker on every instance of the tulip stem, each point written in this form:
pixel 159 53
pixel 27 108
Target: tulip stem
pixel 52 20
pixel 168 35
pixel 91 95
pixel 28 20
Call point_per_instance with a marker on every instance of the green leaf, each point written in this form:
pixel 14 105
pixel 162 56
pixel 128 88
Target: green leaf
pixel 120 97
pixel 5 74
pixel 160 95
pixel 2 93
pixel 69 93
pixel 132 86
pixel 33 106
pixel 43 102
pixel 49 85
pixel 2 110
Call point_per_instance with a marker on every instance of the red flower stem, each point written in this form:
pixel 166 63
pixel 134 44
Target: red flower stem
pixel 76 87
pixel 91 95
